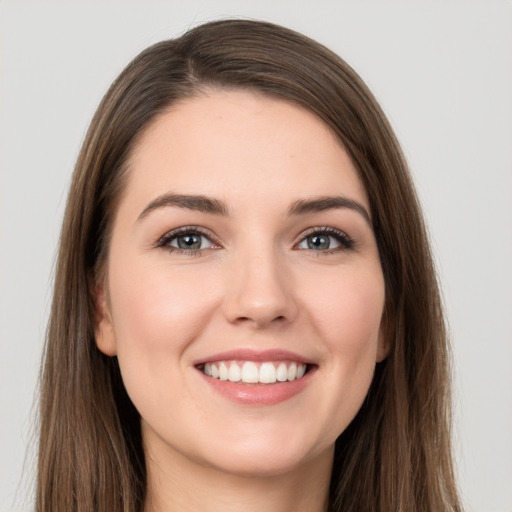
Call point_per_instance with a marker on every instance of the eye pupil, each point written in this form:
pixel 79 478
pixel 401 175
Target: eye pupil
pixel 189 242
pixel 318 242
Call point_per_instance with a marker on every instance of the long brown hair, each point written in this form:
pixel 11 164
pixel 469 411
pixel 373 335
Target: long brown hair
pixel 396 453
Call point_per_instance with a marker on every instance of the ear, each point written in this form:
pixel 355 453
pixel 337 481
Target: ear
pixel 103 326
pixel 384 342
pixel 383 348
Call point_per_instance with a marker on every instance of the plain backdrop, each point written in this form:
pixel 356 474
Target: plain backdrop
pixel 443 73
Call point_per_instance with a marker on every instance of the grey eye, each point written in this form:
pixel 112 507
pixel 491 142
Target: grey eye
pixel 190 242
pixel 319 242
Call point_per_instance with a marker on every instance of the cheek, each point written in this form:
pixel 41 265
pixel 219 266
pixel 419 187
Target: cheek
pixel 348 307
pixel 347 317
pixel 154 325
pixel 153 306
pixel 355 335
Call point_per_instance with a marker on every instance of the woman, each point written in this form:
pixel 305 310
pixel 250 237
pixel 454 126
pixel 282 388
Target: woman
pixel 246 313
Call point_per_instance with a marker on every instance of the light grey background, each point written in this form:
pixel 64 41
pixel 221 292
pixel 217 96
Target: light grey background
pixel 443 73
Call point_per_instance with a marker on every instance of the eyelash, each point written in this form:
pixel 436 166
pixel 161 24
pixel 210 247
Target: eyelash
pixel 346 243
pixel 165 240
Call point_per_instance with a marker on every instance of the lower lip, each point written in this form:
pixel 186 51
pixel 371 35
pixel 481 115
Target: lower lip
pixel 259 394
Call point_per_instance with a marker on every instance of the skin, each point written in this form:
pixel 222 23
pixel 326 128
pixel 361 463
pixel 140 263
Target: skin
pixel 255 284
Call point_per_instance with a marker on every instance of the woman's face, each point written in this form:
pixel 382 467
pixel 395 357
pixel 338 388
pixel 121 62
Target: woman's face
pixel 242 257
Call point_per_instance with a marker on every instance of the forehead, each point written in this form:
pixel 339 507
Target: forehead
pixel 239 144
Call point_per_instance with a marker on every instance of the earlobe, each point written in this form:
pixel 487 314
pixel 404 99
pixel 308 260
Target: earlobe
pixel 103 326
pixel 384 343
pixel 383 348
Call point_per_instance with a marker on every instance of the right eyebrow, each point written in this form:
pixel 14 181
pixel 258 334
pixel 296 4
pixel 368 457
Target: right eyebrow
pixel 191 202
pixel 318 204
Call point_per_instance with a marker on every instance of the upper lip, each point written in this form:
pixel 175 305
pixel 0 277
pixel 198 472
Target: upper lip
pixel 254 355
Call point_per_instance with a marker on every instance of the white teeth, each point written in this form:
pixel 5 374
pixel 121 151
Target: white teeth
pixel 292 371
pixel 267 373
pixel 252 373
pixel 235 373
pixel 223 371
pixel 282 372
pixel 249 372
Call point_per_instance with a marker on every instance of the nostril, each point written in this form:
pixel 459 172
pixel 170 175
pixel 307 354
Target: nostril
pixel 259 306
pixel 260 320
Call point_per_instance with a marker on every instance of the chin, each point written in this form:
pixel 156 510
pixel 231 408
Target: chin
pixel 264 457
pixel 260 465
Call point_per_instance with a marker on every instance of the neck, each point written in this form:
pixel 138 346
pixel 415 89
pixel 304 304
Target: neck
pixel 177 484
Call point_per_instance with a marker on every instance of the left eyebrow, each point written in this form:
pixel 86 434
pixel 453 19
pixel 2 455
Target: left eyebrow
pixel 191 202
pixel 319 204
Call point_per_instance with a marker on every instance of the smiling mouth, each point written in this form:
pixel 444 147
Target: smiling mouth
pixel 251 372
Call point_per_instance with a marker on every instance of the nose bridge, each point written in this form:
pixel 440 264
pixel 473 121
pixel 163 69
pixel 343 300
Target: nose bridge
pixel 259 288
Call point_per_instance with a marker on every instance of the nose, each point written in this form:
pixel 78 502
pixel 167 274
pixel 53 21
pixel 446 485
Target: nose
pixel 259 291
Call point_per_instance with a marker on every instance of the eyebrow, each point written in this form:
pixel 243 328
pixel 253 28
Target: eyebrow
pixel 318 204
pixel 191 202
pixel 215 206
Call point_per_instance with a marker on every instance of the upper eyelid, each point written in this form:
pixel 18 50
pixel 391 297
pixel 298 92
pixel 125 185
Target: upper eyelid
pixel 346 241
pixel 314 229
pixel 323 229
pixel 164 239
pixel 173 233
